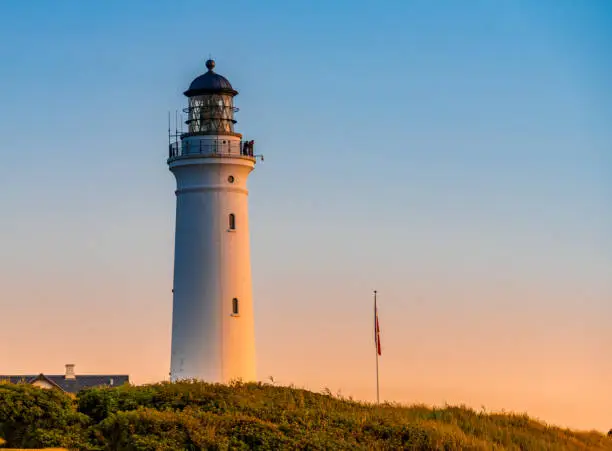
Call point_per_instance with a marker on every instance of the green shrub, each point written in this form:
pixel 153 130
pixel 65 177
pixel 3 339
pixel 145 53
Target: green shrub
pixel 194 415
pixel 31 417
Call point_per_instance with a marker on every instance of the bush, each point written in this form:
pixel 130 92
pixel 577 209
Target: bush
pixel 195 415
pixel 31 417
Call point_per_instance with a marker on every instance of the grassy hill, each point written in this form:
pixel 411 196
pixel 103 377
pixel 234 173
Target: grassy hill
pixel 258 416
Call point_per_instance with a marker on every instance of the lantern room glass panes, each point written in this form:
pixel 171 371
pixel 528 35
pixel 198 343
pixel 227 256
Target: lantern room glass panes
pixel 211 113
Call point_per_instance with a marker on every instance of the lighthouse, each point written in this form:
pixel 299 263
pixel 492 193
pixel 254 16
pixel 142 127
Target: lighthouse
pixel 213 335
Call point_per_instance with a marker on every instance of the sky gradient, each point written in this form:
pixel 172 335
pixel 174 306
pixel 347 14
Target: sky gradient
pixel 456 158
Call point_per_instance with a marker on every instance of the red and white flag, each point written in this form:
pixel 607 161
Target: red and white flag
pixel 376 329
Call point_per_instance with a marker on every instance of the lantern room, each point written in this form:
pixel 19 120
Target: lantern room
pixel 211 104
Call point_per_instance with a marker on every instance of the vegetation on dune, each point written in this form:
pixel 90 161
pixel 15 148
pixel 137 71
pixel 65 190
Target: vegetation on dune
pixel 195 415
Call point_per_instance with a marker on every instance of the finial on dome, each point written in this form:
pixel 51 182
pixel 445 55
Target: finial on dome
pixel 210 65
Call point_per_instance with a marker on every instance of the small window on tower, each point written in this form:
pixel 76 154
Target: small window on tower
pixel 234 306
pixel 232 221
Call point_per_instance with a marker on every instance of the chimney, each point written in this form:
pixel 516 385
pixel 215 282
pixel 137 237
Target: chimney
pixel 70 371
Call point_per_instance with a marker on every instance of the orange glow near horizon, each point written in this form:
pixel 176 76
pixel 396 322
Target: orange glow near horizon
pixel 456 359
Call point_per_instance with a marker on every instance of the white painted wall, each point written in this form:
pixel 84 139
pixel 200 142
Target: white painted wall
pixel 211 267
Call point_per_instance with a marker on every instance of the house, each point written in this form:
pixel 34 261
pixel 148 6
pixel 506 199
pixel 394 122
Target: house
pixel 68 382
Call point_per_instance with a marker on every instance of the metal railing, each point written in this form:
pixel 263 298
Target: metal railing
pixel 217 148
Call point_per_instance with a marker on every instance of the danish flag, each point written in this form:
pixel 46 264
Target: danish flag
pixel 376 329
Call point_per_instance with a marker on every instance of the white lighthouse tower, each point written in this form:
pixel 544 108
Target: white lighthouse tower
pixel 212 320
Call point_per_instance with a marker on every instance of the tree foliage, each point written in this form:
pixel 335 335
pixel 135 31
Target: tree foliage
pixel 31 417
pixel 195 416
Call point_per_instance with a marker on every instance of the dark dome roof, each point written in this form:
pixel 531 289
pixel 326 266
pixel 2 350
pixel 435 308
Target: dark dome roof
pixel 210 83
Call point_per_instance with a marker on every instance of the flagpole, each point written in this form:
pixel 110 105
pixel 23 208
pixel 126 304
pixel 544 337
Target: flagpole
pixel 376 347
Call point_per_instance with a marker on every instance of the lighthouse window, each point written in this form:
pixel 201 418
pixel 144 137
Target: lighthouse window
pixel 234 306
pixel 232 221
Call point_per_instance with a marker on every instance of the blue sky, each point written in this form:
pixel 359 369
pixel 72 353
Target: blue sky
pixel 455 156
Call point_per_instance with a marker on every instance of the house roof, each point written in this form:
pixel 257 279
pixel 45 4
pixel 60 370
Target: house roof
pixel 80 382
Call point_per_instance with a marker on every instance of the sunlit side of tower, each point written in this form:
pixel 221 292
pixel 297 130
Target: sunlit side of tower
pixel 212 319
